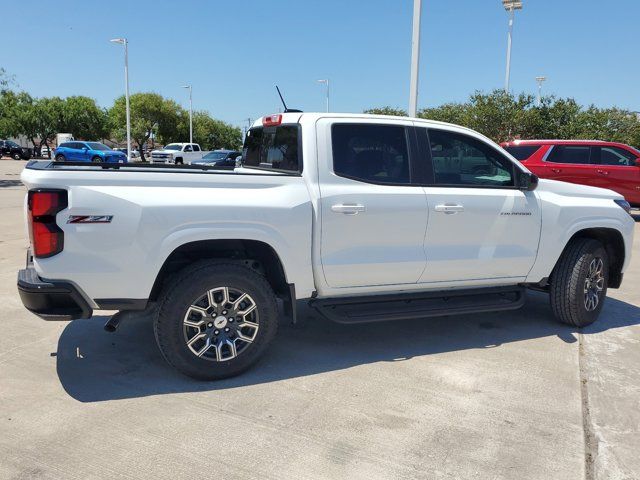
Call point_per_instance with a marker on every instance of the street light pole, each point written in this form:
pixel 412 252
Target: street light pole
pixel 539 97
pixel 415 59
pixel 190 112
pixel 326 82
pixel 123 41
pixel 510 6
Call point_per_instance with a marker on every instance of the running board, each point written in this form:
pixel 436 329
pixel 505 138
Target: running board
pixel 380 308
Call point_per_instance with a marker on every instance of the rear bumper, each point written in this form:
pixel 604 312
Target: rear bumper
pixel 51 300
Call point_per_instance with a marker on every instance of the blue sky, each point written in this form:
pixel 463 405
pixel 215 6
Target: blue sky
pixel 234 52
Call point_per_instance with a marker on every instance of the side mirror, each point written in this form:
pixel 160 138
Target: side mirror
pixel 637 162
pixel 527 181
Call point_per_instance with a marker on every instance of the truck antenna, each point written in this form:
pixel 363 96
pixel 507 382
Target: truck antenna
pixel 286 110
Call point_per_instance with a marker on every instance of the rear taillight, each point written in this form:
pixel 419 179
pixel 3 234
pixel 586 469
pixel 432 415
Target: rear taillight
pixel 47 238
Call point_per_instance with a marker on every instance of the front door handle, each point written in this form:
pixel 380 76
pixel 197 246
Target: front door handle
pixel 348 209
pixel 449 208
pixel 603 172
pixel 556 170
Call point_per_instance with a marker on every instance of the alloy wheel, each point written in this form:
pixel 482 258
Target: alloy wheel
pixel 221 324
pixel 594 284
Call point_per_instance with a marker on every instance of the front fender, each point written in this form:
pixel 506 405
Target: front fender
pixel 560 222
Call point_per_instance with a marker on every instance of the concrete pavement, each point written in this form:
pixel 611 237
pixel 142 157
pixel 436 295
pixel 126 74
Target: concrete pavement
pixel 501 396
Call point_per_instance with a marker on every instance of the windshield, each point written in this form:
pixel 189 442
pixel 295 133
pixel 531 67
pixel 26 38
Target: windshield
pixel 173 146
pixel 12 144
pixel 215 156
pixel 97 146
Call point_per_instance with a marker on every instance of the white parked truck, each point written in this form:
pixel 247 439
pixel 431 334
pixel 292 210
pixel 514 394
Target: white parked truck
pixel 365 218
pixel 177 153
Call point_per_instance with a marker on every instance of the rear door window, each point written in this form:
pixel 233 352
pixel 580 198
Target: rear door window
pixel 371 153
pixel 522 152
pixel 576 154
pixel 273 148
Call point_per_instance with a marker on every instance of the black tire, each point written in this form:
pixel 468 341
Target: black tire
pixel 179 161
pixel 569 281
pixel 193 283
pixel 60 158
pixel 96 159
pixel 17 156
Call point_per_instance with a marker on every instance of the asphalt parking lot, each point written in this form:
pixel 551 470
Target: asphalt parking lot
pixel 500 396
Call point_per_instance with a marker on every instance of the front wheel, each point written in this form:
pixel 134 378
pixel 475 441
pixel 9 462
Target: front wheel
pixel 60 158
pixel 216 319
pixel 579 282
pixel 96 159
pixel 17 156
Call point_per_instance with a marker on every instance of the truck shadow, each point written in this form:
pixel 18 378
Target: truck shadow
pixel 95 366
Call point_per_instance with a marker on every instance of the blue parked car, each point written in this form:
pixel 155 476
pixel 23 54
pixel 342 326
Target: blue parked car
pixel 88 152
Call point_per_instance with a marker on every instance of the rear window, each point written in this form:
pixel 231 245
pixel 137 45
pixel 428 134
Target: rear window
pixel 371 153
pixel 576 154
pixel 273 148
pixel 522 152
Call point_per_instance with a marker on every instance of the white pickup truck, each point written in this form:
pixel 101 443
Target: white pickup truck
pixel 366 218
pixel 177 153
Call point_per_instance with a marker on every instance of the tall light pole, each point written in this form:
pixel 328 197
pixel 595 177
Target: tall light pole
pixel 326 82
pixel 123 41
pixel 190 112
pixel 510 6
pixel 415 59
pixel 539 98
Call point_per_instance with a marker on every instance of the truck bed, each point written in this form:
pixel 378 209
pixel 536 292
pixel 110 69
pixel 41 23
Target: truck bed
pixel 154 209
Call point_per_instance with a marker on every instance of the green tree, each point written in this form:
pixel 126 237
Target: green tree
pixel 449 112
pixel 502 116
pixel 395 112
pixel 150 114
pixel 84 119
pixel 47 115
pixel 210 133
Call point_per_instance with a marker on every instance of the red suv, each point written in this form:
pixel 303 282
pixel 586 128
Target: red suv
pixel 615 166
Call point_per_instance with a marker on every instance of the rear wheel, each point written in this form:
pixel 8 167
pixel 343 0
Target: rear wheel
pixel 579 282
pixel 96 159
pixel 216 319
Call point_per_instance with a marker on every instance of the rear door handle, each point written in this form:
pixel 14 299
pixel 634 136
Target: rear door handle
pixel 348 209
pixel 556 170
pixel 449 208
pixel 603 172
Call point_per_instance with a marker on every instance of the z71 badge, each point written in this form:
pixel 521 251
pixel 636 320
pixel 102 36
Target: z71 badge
pixel 90 219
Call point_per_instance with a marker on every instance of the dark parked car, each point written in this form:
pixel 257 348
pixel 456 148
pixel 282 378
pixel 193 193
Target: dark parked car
pixel 219 158
pixel 13 150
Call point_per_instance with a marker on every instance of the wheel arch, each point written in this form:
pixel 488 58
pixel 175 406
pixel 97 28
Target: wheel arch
pixel 613 242
pixel 255 254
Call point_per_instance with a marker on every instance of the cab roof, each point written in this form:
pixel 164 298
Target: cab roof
pixel 299 117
